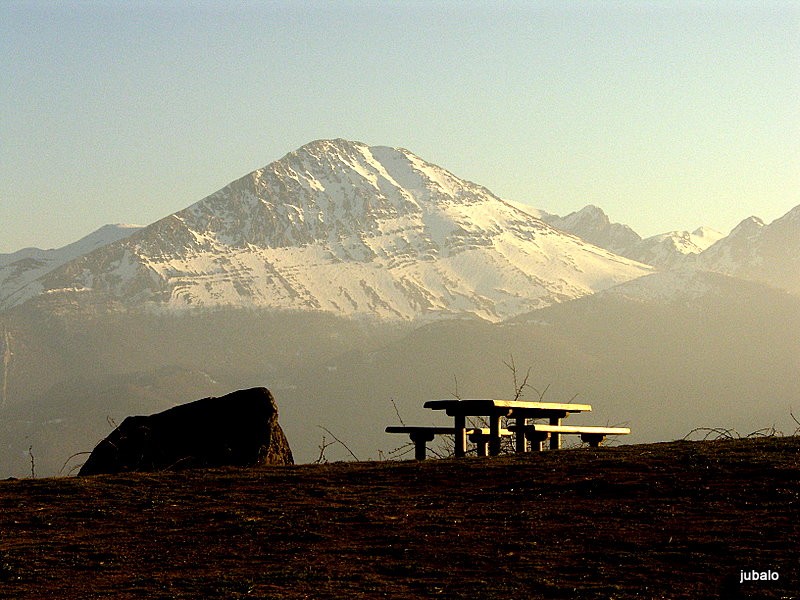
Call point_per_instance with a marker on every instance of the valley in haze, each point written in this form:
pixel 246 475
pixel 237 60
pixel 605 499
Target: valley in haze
pixel 353 280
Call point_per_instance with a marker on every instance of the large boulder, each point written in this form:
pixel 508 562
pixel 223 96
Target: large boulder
pixel 239 429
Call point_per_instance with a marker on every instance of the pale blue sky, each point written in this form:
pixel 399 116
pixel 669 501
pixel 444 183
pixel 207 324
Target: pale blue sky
pixel 667 115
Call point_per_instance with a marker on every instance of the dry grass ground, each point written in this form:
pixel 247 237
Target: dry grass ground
pixel 674 520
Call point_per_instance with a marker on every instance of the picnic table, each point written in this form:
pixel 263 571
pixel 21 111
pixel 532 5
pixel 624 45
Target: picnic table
pixel 494 410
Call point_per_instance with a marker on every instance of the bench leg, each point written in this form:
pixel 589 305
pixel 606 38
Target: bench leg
pixel 537 438
pixel 481 442
pixel 420 440
pixel 555 438
pixel 494 435
pixel 593 439
pixel 420 449
pixel 521 441
pixel 461 436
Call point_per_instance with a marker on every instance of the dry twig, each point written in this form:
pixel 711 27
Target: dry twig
pixel 346 447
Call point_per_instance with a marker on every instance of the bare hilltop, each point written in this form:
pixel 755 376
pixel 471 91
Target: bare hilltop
pixel 687 519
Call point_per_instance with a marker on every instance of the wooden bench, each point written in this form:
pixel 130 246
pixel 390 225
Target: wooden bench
pixel 423 434
pixel 537 433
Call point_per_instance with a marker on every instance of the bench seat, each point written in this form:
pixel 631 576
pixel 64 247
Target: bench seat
pixel 422 434
pixel 536 433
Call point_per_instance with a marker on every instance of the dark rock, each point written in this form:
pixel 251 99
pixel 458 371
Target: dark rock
pixel 239 429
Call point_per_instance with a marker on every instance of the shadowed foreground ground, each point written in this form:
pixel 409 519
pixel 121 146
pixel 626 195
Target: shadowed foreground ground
pixel 675 520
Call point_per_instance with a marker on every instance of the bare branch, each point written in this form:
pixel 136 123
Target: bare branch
pixel 455 394
pixel 544 391
pixel 523 385
pixel 513 367
pixel 346 447
pixel 796 431
pixel 397 412
pixel 716 433
pixel 519 388
pixel 61 470
pixel 321 459
pixel 765 432
pixel 399 452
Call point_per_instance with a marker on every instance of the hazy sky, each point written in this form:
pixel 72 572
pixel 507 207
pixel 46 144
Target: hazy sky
pixel 667 115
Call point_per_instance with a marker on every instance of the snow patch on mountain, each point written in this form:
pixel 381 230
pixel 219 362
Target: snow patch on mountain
pixel 670 250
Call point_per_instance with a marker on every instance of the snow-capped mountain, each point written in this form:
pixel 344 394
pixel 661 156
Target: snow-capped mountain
pixel 765 253
pixel 19 269
pixel 664 251
pixel 342 227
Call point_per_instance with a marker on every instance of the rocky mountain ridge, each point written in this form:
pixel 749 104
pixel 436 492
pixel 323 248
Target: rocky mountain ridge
pixel 769 253
pixel 21 268
pixel 664 251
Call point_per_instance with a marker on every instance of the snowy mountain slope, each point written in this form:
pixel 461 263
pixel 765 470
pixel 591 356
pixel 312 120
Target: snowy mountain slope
pixel 355 230
pixel 664 251
pixel 765 253
pixel 669 250
pixel 537 213
pixel 705 237
pixel 21 268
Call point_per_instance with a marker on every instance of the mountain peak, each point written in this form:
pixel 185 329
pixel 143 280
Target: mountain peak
pixel 592 224
pixel 765 253
pixel 588 215
pixel 325 191
pixel 707 233
pixel 352 229
pixel 595 211
pixel 748 227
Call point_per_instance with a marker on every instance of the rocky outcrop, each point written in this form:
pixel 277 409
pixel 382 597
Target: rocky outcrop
pixel 239 429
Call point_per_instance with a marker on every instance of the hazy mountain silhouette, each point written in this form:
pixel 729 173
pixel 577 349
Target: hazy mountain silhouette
pixel 343 277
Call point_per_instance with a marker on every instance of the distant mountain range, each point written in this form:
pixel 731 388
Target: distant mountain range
pixel 343 227
pixel 666 250
pixel 344 275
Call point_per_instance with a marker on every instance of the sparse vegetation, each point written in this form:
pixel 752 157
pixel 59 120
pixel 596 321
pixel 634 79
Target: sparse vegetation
pixel 722 433
pixel 674 520
pixel 33 462
pixel 325 445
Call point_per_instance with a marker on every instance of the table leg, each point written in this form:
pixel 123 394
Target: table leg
pixel 555 438
pixel 522 441
pixel 494 435
pixel 461 435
